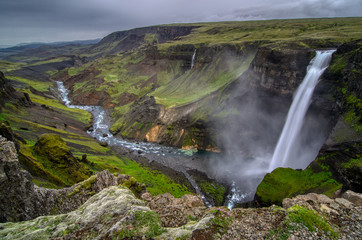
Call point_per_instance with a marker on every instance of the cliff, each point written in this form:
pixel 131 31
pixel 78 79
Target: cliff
pixel 97 208
pixel 21 200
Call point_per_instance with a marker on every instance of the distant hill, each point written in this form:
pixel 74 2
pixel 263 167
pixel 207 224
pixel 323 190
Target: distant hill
pixel 26 46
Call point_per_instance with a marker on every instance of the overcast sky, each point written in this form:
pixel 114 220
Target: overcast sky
pixel 56 20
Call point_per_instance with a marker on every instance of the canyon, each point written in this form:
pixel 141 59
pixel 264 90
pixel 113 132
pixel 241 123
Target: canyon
pixel 202 103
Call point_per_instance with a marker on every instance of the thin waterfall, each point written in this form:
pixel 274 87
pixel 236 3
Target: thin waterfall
pixel 298 110
pixel 193 59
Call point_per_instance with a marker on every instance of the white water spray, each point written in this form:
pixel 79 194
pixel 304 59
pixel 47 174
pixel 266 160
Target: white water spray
pixel 193 59
pixel 298 110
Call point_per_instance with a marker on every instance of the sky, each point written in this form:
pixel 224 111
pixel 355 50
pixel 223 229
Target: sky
pixel 24 21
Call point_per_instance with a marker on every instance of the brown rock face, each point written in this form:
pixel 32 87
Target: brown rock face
pixel 280 71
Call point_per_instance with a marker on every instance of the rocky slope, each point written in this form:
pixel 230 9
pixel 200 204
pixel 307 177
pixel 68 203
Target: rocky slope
pixel 21 200
pixel 100 208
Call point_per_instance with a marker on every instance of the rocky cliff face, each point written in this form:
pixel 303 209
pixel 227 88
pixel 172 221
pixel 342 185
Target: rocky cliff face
pixel 8 93
pixel 21 200
pixel 280 71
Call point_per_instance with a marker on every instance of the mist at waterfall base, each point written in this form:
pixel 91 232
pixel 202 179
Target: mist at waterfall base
pixel 249 138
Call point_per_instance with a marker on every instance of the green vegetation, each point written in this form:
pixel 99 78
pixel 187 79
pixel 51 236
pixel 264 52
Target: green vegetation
pixel 156 182
pixel 286 183
pixel 196 84
pixel 144 223
pixel 38 85
pixel 87 184
pixel 353 114
pixel 353 162
pixel 221 220
pixel 51 60
pixel 310 219
pixel 55 156
pixel 301 31
pixel 214 191
pixel 7 66
pixel 298 216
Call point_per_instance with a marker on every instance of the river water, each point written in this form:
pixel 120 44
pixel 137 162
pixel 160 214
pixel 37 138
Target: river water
pixel 174 158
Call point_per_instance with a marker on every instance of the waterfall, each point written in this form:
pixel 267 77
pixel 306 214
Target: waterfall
pixel 298 110
pixel 193 59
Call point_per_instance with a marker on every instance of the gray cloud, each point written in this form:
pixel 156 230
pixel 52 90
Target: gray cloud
pixel 44 20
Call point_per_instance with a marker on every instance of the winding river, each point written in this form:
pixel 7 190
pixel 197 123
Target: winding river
pixel 174 158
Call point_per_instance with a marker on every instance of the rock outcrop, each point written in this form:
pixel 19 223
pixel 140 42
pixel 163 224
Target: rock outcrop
pixel 175 212
pixel 9 94
pixel 21 200
pixel 115 213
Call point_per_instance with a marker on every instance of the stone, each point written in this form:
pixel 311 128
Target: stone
pixel 174 212
pixel 355 198
pixel 328 210
pixel 344 202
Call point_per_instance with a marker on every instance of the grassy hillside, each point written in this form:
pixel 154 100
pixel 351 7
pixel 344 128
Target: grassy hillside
pixel 48 116
pixel 301 31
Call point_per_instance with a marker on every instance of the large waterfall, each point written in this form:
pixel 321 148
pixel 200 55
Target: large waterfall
pixel 298 110
pixel 251 172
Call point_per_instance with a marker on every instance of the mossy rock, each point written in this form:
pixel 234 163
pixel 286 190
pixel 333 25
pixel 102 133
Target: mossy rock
pixel 136 187
pixel 344 161
pixel 56 157
pixel 286 183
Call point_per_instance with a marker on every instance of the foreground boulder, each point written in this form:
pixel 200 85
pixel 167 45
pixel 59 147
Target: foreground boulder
pixel 115 213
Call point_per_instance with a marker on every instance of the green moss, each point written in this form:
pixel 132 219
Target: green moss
pixel 38 85
pixel 144 223
pixel 338 64
pixel 156 182
pixel 187 141
pixel 134 186
pixel 353 162
pixel 221 220
pixel 87 184
pixel 353 114
pixel 37 169
pixel 214 191
pixel 55 156
pixel 310 32
pixel 45 184
pixel 286 183
pixel 297 216
pixel 311 219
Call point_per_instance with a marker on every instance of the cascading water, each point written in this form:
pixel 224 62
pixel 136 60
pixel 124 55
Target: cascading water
pixel 156 152
pixel 298 110
pixel 193 59
pixel 101 131
pixel 251 177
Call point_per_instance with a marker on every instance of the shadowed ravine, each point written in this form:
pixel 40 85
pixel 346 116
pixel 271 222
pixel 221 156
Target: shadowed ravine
pixel 176 159
pixel 242 184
